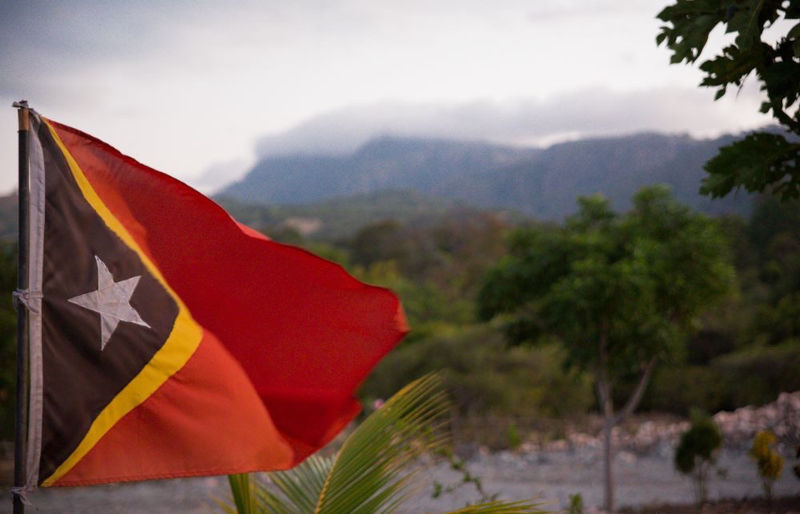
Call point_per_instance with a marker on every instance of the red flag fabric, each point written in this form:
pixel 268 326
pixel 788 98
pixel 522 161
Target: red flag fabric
pixel 174 341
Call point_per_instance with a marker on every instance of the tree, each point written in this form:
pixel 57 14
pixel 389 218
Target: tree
pixel 619 292
pixel 372 471
pixel 696 450
pixel 762 160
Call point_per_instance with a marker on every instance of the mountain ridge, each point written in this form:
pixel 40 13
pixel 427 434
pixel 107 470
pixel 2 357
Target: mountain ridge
pixel 540 182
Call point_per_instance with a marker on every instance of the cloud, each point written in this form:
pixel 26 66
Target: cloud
pixel 47 42
pixel 567 10
pixel 220 174
pixel 523 122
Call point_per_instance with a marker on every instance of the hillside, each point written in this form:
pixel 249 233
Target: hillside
pixel 341 217
pixel 8 216
pixel 385 163
pixel 539 182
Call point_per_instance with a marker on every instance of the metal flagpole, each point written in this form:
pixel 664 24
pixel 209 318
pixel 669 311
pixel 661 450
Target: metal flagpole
pixel 22 311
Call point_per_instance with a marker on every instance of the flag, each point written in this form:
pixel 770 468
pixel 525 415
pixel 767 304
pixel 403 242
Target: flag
pixel 166 339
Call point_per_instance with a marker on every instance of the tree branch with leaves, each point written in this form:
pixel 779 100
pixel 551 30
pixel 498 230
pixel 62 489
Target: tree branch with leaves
pixel 762 160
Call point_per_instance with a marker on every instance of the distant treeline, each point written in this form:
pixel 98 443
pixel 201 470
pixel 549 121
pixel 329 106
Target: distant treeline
pixel 743 351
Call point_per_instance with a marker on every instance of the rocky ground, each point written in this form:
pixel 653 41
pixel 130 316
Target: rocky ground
pixel 786 505
pixel 548 471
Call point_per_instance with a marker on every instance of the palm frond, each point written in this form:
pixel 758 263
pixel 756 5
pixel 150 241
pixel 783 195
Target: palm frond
pixel 244 497
pixel 371 472
pixel 501 507
pixel 298 488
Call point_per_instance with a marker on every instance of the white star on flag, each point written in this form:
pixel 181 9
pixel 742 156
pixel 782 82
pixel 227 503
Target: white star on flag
pixel 112 301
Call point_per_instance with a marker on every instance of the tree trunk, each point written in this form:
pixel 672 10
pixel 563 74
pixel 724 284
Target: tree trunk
pixel 608 465
pixel 603 383
pixel 607 405
pixel 610 420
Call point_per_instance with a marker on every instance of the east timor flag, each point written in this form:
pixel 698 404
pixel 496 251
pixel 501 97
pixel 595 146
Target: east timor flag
pixel 167 340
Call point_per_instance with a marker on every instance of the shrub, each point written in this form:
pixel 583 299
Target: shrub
pixel 751 376
pixel 575 504
pixel 513 436
pixel 695 452
pixel 769 462
pixel 758 374
pixel 483 376
pixel 677 389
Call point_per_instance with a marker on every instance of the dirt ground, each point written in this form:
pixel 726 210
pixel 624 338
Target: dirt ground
pixel 551 477
pixel 789 505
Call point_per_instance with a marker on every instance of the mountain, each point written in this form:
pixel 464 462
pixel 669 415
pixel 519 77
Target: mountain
pixel 424 165
pixel 546 185
pixel 539 182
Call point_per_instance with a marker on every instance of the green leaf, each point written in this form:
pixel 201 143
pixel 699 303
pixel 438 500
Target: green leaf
pixel 499 507
pixel 759 161
pixel 244 496
pixel 299 488
pixel 775 64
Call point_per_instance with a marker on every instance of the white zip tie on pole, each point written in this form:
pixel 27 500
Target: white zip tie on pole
pixel 22 494
pixel 25 297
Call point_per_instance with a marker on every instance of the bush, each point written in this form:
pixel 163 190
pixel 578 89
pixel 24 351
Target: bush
pixel 751 376
pixel 678 389
pixel 757 375
pixel 769 462
pixel 694 454
pixel 485 377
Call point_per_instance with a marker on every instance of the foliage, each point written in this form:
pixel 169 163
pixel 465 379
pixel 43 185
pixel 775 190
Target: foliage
pixel 677 389
pixel 427 306
pixel 467 478
pixel 762 160
pixel 752 375
pixel 338 219
pixel 767 257
pixel 695 451
pixel 769 462
pixel 373 470
pixel 759 162
pixel 513 436
pixel 634 281
pixel 483 377
pixel 9 211
pixel 619 292
pixel 757 375
pixel 8 324
pixel 575 504
pixel 455 251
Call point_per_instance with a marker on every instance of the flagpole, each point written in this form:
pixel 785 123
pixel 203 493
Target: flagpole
pixel 21 417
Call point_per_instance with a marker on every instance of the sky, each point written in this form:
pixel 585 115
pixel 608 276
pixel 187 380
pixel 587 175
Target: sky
pixel 201 89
